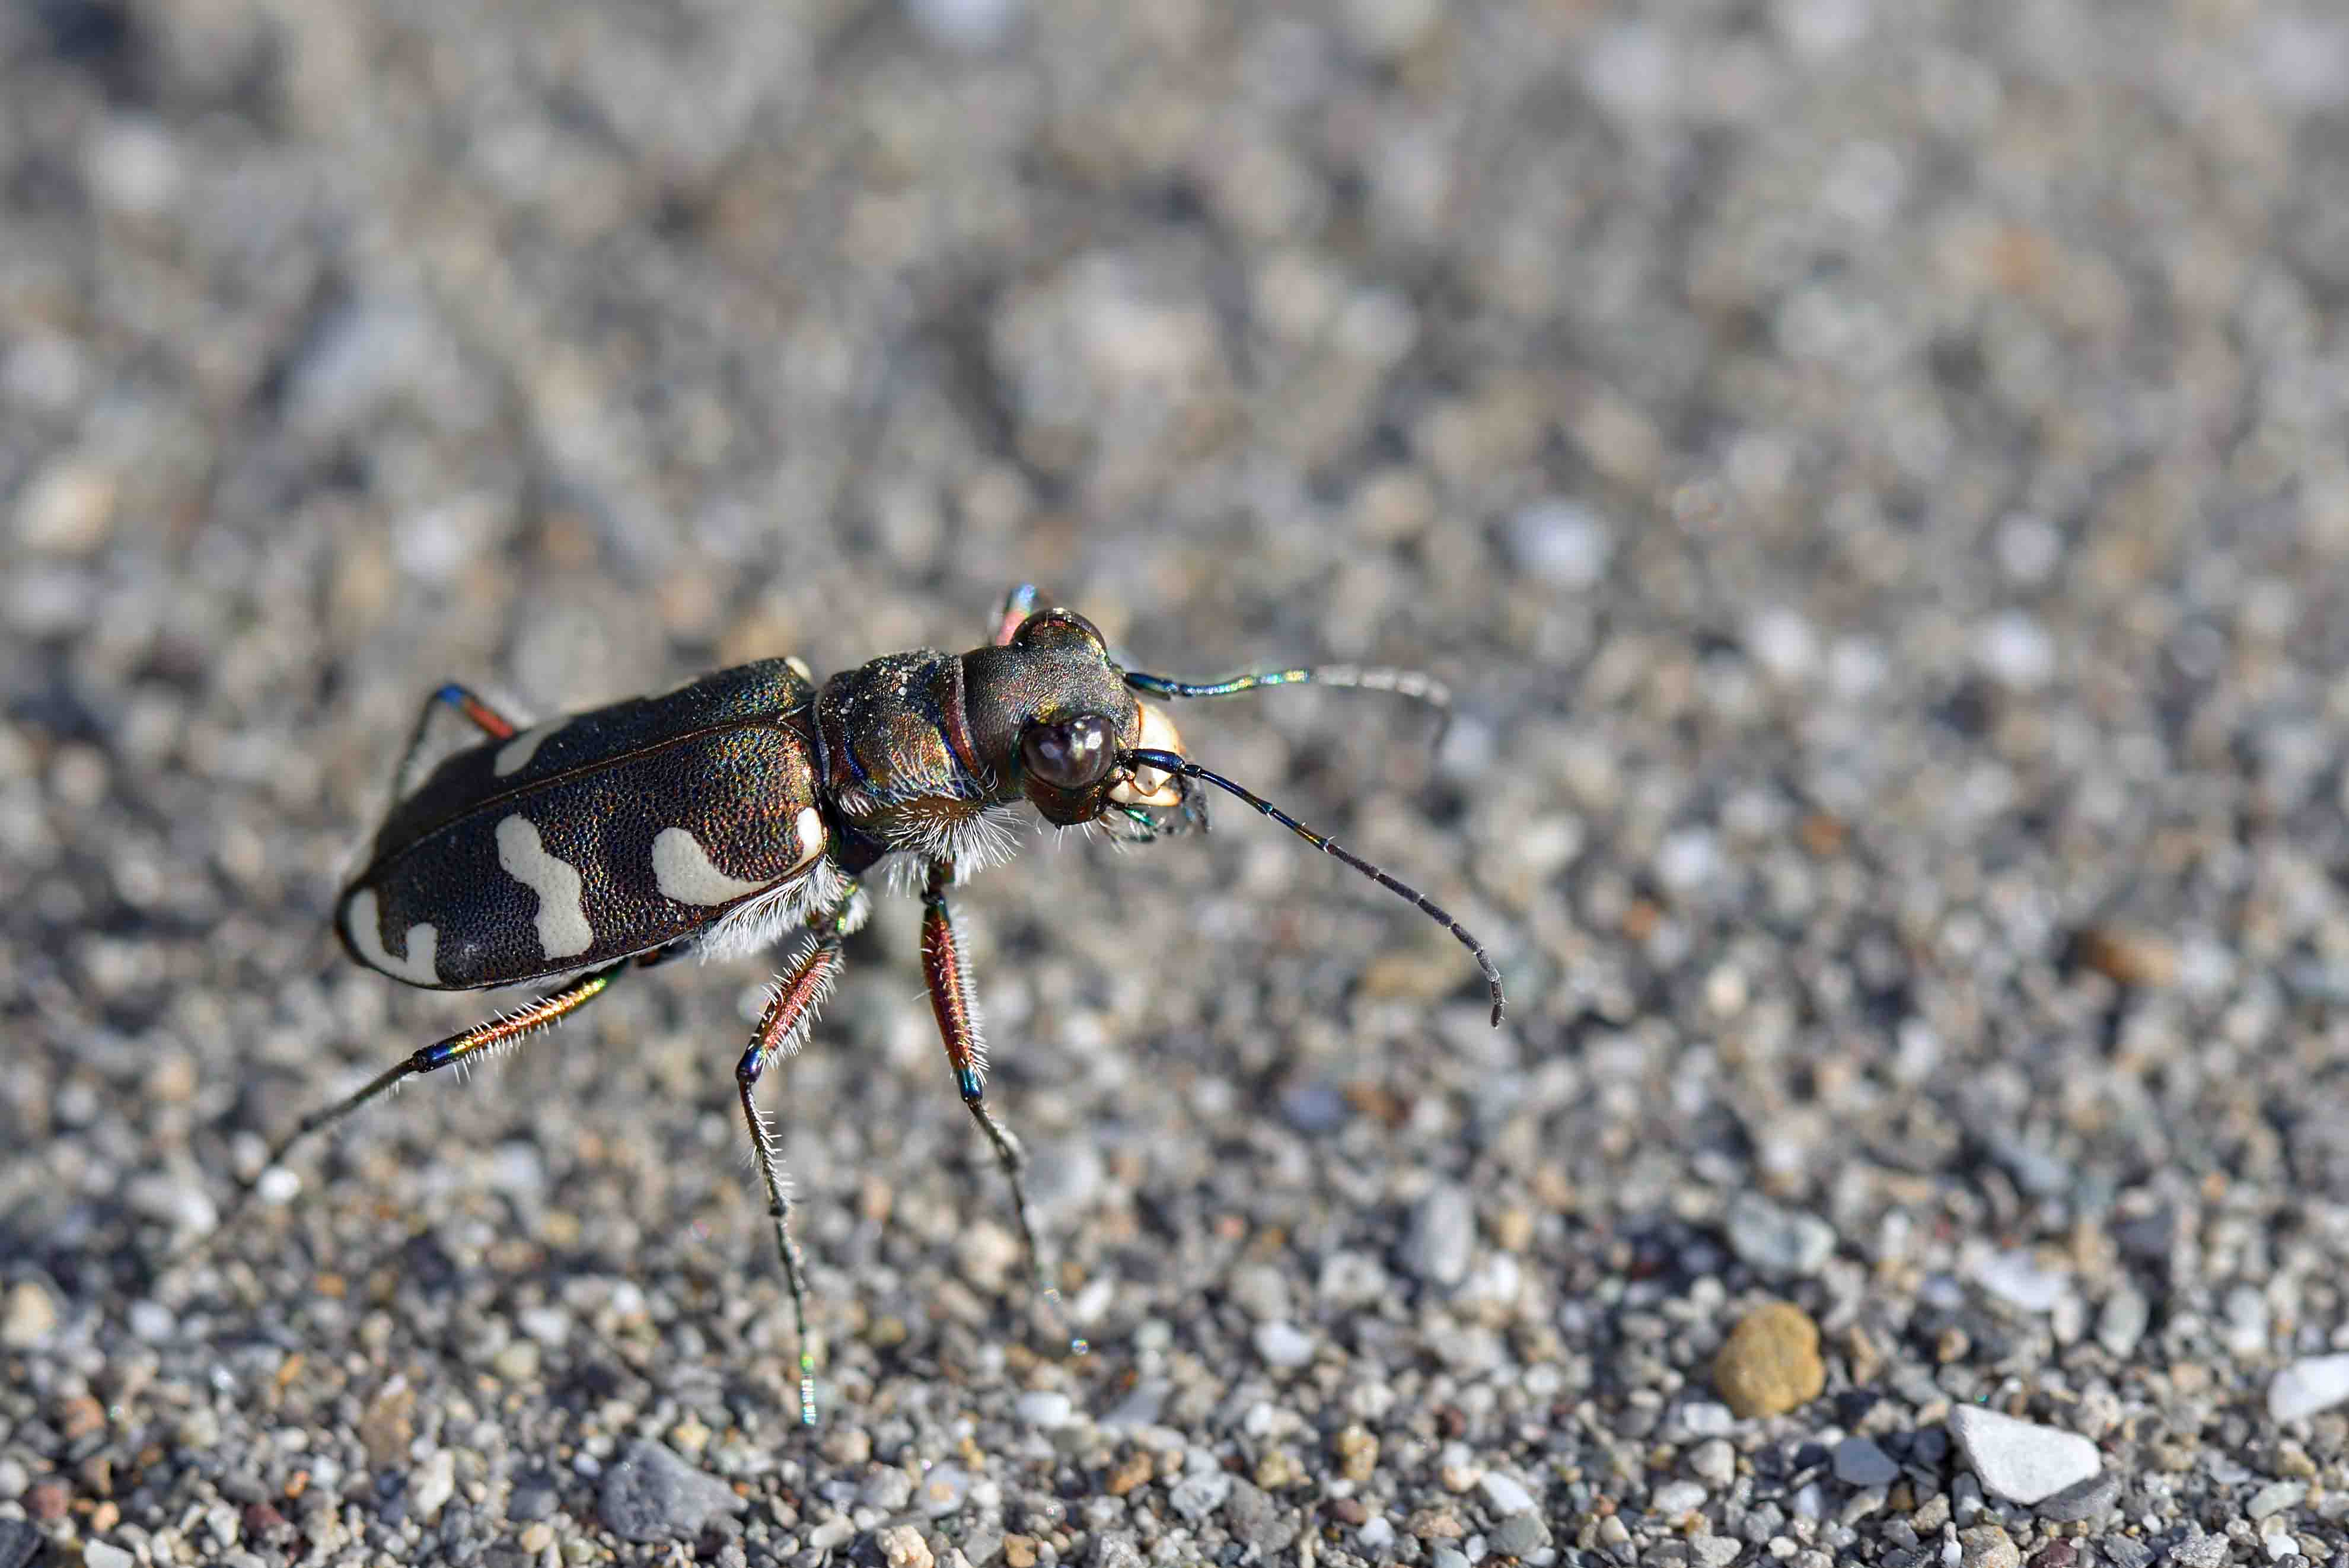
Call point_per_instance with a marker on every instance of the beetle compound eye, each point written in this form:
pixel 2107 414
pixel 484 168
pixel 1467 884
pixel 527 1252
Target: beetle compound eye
pixel 1072 756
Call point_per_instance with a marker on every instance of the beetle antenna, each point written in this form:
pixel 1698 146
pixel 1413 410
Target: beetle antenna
pixel 1414 684
pixel 1167 762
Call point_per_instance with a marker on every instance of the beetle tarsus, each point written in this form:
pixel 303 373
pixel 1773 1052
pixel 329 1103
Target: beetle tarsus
pixel 791 1009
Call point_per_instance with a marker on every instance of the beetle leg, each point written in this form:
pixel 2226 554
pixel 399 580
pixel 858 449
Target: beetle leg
pixel 789 1009
pixel 1016 607
pixel 955 1006
pixel 507 1028
pixel 481 715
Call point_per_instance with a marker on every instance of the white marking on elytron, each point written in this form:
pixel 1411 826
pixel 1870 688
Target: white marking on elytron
pixel 810 834
pixel 417 968
pixel 681 866
pixel 563 927
pixel 515 754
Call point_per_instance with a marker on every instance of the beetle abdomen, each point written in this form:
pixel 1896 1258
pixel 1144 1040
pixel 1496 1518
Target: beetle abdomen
pixel 591 864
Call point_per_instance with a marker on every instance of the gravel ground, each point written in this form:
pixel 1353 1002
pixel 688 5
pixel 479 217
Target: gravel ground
pixel 1873 472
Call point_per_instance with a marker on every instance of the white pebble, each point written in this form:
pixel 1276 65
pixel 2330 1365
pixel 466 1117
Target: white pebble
pixel 1708 1418
pixel 277 1186
pixel 1782 642
pixel 2028 548
pixel 152 1321
pixel 1561 542
pixel 1045 1409
pixel 2020 1461
pixel 1674 1499
pixel 1506 1494
pixel 964 23
pixel 104 1554
pixel 2308 1386
pixel 2014 649
pixel 433 1486
pixel 2014 1277
pixel 1714 1461
pixel 1282 1344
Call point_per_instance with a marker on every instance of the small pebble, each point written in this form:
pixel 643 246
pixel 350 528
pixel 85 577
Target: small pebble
pixel 1988 1546
pixel 103 1554
pixel 2015 650
pixel 1519 1535
pixel 942 1491
pixel 1195 1497
pixel 1674 1499
pixel 901 1546
pixel 1769 1362
pixel 2275 1497
pixel 2308 1385
pixel 1714 1461
pixel 29 1318
pixel 1506 1493
pixel 430 1487
pixel 2090 1498
pixel 1859 1462
pixel 1282 1344
pixel 1775 1242
pixel 1442 1235
pixel 2020 1461
pixel 533 1498
pixel 1708 1418
pixel 2121 1321
pixel 651 1494
pixel 887 1489
pixel 1046 1407
pixel 1561 542
pixel 2016 1278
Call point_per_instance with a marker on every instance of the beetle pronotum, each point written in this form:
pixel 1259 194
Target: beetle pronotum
pixel 722 815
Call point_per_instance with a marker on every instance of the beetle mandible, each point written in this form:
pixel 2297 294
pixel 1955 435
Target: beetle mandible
pixel 717 817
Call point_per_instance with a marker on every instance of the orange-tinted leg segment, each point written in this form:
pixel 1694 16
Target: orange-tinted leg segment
pixel 791 1009
pixel 956 1007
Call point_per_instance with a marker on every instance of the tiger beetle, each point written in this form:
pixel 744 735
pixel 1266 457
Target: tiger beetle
pixel 719 816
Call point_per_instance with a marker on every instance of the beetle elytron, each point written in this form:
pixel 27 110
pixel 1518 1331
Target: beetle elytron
pixel 720 815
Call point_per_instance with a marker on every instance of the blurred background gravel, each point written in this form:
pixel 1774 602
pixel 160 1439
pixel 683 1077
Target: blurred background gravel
pixel 1873 470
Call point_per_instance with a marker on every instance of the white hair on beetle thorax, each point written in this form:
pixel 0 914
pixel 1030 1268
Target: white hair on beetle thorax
pixel 761 921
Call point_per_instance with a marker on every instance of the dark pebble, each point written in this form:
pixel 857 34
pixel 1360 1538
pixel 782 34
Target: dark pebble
pixel 650 1494
pixel 2089 1498
pixel 2124 1551
pixel 265 1524
pixel 19 1542
pixel 2056 1554
pixel 1852 1404
pixel 1256 1519
pixel 1930 1446
pixel 459 1544
pixel 1315 1108
pixel 1519 1535
pixel 533 1498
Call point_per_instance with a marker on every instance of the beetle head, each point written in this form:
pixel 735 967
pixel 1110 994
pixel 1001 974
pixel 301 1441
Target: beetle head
pixel 1050 714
